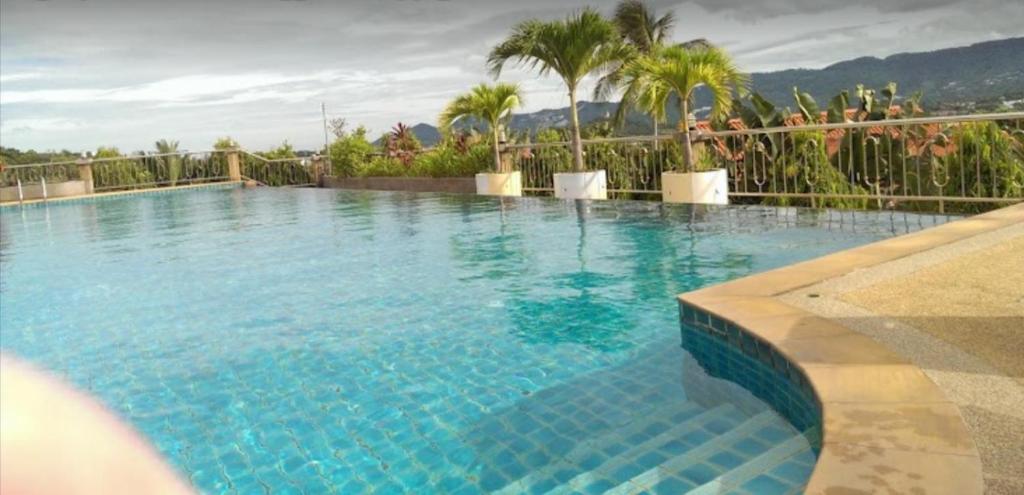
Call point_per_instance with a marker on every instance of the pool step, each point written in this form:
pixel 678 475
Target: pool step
pixel 629 456
pixel 792 447
pixel 580 452
pixel 651 477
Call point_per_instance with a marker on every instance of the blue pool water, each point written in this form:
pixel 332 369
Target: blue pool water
pixel 317 341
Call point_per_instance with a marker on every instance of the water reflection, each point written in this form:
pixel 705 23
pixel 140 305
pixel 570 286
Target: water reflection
pixel 111 220
pixel 575 307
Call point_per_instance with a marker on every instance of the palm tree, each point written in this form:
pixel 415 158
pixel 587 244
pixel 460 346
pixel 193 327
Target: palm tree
pixel 646 33
pixel 490 104
pixel 164 146
pixel 680 70
pixel 580 45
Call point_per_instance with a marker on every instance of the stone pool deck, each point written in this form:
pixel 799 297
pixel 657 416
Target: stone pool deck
pixel 914 347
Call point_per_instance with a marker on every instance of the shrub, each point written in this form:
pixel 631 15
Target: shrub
pixel 349 152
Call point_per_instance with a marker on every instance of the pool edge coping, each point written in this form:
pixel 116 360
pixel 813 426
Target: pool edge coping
pixel 867 393
pixel 111 194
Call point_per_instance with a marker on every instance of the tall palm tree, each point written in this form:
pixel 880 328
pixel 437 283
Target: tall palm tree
pixel 680 70
pixel 582 44
pixel 164 146
pixel 646 33
pixel 490 104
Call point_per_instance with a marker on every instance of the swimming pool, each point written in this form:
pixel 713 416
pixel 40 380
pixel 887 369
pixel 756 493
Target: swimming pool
pixel 318 341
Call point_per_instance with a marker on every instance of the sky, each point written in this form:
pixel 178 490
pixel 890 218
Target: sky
pixel 78 74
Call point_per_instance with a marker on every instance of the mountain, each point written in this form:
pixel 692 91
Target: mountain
pixel 955 76
pixel 426 133
pixel 971 78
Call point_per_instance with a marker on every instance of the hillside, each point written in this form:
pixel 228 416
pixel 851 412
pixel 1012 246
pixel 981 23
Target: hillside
pixel 961 79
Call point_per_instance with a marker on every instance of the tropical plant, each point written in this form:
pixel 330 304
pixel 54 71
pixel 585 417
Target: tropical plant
pixel 680 70
pixel 987 162
pixel 349 151
pixel 401 143
pixel 491 104
pixel 580 45
pixel 646 33
pixel 114 171
pixel 172 161
pixel 224 143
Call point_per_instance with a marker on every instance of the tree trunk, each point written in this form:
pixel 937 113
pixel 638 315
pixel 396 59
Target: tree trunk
pixel 684 124
pixel 496 147
pixel 656 144
pixel 577 142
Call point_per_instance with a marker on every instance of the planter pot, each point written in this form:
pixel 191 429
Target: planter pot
pixel 510 184
pixel 709 188
pixel 582 185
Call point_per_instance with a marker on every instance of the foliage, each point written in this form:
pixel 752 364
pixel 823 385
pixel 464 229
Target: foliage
pixel 111 171
pixel 646 34
pixel 799 160
pixel 348 152
pixel 13 156
pixel 285 150
pixel 582 44
pixel 491 104
pixel 988 162
pixel 224 143
pixel 170 164
pixel 401 144
pixel 447 161
pixel 679 71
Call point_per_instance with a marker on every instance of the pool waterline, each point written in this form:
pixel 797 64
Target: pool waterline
pixel 324 340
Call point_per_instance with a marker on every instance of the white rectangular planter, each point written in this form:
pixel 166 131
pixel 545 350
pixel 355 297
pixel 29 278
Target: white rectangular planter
pixel 709 188
pixel 510 184
pixel 582 185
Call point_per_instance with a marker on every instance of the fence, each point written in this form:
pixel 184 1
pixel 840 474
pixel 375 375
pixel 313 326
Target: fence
pixel 966 163
pixel 279 171
pixel 955 164
pixel 104 174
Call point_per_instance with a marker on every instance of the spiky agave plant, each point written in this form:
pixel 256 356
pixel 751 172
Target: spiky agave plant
pixel 492 105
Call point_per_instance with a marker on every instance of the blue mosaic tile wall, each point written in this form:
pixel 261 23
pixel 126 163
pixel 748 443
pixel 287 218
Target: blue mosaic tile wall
pixel 729 352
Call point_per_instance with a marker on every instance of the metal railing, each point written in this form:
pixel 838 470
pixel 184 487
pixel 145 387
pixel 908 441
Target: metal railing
pixel 295 172
pixel 158 170
pixel 38 173
pixel 964 163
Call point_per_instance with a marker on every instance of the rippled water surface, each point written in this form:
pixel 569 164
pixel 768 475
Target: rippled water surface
pixel 317 341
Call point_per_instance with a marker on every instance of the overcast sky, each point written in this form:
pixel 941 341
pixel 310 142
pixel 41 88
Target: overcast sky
pixel 82 73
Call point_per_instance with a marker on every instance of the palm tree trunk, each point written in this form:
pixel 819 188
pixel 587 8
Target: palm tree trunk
pixel 684 124
pixel 655 120
pixel 577 142
pixel 496 147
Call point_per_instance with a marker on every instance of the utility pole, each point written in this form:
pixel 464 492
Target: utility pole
pixel 327 143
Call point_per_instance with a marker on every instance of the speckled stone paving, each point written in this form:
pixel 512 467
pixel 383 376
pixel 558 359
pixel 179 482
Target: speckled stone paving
pixel 895 398
pixel 957 311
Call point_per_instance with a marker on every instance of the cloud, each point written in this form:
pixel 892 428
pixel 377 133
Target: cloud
pixel 22 76
pixel 128 72
pixel 756 10
pixel 15 126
